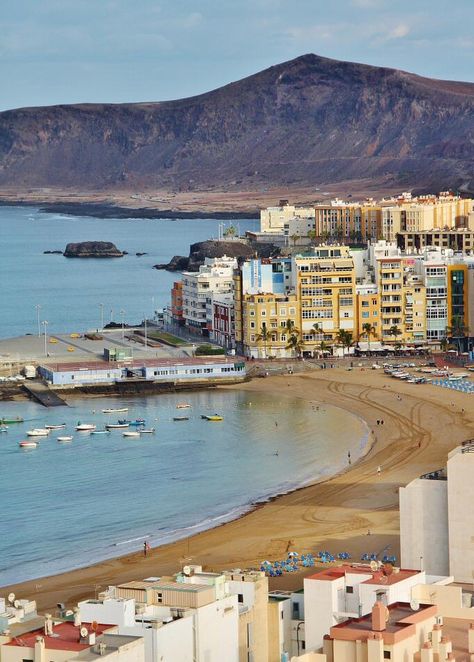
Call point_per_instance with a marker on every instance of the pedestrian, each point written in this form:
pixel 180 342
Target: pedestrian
pixel 379 470
pixel 381 422
pixel 349 456
pixel 378 422
pixel 145 548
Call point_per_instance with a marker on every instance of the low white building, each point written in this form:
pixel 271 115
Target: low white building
pixel 276 219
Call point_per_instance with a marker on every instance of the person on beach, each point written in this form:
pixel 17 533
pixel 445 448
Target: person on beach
pixel 379 470
pixel 349 456
pixel 146 548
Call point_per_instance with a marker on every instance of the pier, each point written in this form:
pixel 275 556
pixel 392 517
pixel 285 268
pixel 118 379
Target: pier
pixel 44 395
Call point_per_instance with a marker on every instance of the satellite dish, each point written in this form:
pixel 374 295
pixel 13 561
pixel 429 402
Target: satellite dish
pixel 374 566
pixel 187 570
pixel 84 632
pixel 11 598
pixel 414 604
pixel 17 604
pixel 396 570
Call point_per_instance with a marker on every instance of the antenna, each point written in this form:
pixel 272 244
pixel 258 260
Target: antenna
pixel 187 570
pixel 84 632
pixel 17 604
pixel 11 598
pixel 414 604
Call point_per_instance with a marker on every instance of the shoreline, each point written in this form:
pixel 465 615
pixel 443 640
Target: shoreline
pixel 235 512
pixel 335 513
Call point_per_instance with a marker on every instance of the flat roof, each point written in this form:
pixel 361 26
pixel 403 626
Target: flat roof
pixel 377 577
pixel 170 585
pixel 401 616
pixel 66 637
pixel 141 363
pixel 113 642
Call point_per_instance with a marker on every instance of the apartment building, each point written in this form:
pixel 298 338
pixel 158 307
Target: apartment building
pixel 177 302
pixel 425 213
pixel 325 287
pixel 277 219
pixel 214 277
pixel 368 312
pixel 460 240
pixel 348 221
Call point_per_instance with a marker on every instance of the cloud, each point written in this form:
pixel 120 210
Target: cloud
pixel 368 4
pixel 398 31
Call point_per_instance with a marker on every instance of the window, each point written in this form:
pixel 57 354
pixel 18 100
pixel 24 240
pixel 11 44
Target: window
pixel 365 314
pixel 349 589
pixel 241 598
pixel 252 325
pixel 387 655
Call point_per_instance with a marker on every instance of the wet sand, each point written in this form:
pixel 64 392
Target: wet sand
pixel 421 423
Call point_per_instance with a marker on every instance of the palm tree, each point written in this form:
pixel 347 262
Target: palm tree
pixel 394 331
pixel 457 330
pixel 290 327
pixel 345 339
pixel 311 235
pixel 295 344
pixel 444 344
pixel 264 336
pixel 316 330
pixel 324 347
pixel 368 330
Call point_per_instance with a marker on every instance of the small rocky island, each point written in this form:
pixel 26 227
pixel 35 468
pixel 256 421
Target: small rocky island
pixel 93 249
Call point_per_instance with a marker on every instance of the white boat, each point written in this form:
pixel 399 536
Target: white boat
pixel 114 411
pixel 38 432
pixel 100 432
pixel 55 427
pixel 149 431
pixel 64 440
pixel 85 427
pixel 28 444
pixel 116 426
pixel 130 434
pixel 183 405
pixel 3 428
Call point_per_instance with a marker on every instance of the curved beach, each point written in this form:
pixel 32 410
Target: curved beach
pixel 421 423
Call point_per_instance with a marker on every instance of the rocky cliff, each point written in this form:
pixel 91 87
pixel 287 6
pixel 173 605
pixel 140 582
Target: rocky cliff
pixel 308 121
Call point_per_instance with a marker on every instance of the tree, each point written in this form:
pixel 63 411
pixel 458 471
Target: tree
pixel 345 339
pixel 264 336
pixel 230 232
pixel 290 327
pixel 368 330
pixel 444 344
pixel 394 331
pixel 295 344
pixel 324 347
pixel 311 235
pixel 457 330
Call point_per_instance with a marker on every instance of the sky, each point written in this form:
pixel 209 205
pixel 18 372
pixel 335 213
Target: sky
pixel 69 51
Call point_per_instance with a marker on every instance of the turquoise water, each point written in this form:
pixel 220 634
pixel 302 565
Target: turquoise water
pixel 70 290
pixel 68 505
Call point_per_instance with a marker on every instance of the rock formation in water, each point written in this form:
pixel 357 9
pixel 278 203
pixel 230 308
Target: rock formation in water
pixel 93 249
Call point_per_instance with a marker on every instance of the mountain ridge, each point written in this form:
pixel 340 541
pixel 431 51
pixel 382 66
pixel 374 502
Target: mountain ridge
pixel 306 121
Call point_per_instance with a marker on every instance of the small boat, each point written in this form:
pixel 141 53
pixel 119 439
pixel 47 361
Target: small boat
pixel 85 427
pixel 180 418
pixel 116 426
pixel 3 428
pixel 115 411
pixel 55 427
pixel 100 432
pixel 124 420
pixel 183 405
pixel 130 434
pixel 138 422
pixel 150 431
pixel 38 432
pixel 214 418
pixel 8 421
pixel 28 444
pixel 64 440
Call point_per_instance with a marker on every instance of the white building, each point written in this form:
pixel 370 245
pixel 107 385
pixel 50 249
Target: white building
pixel 277 219
pixel 215 276
pixel 350 591
pixel 436 518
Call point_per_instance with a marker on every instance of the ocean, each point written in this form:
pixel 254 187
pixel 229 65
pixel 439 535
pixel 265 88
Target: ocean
pixel 66 506
pixel 70 291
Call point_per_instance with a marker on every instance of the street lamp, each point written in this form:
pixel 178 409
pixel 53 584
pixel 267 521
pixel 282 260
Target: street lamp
pixel 45 325
pixel 146 337
pixel 122 314
pixel 38 308
pixel 101 306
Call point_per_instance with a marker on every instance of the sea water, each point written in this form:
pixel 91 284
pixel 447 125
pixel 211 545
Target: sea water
pixel 70 291
pixel 68 505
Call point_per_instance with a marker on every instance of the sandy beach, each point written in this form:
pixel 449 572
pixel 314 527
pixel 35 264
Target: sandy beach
pixel 356 511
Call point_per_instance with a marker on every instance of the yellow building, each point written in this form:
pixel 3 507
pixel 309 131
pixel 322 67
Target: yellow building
pixel 368 312
pixel 325 286
pixel 349 221
pixel 265 324
pixel 413 215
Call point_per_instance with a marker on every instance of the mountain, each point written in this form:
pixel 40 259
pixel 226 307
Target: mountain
pixel 308 121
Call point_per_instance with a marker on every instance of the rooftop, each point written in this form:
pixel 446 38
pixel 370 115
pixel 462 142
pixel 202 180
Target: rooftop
pixel 113 643
pixel 66 636
pixel 385 577
pixel 152 363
